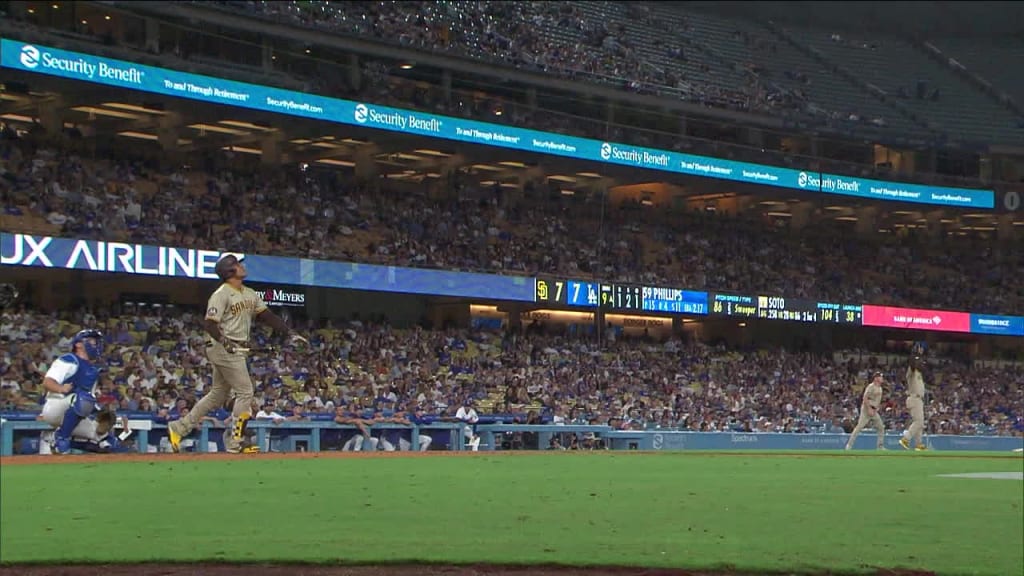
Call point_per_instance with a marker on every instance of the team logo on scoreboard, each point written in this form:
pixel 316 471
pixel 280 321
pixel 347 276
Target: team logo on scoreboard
pixel 606 151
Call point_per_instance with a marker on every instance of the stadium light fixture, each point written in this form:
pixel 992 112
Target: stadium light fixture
pixel 94 111
pixel 429 152
pixel 246 125
pixel 333 162
pixel 243 150
pixel 134 108
pixel 219 129
pixel 18 118
pixel 138 135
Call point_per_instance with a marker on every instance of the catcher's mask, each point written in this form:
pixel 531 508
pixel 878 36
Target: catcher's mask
pixel 92 341
pixel 227 266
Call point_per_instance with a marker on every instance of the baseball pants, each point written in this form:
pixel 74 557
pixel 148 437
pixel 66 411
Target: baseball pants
pixel 358 442
pixel 230 375
pixel 53 414
pixel 862 423
pixel 404 445
pixel 916 407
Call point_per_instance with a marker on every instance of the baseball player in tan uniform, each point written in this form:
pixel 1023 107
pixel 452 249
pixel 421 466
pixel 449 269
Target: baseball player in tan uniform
pixel 915 404
pixel 869 412
pixel 229 315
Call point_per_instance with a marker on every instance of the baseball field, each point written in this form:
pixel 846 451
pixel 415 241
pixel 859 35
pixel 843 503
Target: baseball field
pixel 480 513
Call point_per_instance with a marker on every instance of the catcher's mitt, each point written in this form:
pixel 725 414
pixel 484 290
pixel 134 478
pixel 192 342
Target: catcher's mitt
pixel 105 420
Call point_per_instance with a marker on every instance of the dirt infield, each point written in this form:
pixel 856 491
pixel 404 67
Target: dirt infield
pixel 396 570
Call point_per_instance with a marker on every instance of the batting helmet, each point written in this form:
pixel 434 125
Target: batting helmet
pixel 225 267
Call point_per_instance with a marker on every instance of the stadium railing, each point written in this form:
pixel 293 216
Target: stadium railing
pixel 648 440
pixel 544 432
pixel 309 431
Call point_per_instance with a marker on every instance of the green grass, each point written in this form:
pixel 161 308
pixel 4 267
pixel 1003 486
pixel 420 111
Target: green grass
pixel 798 512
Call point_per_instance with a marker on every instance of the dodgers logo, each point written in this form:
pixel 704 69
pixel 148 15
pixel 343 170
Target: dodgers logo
pixel 606 151
pixel 29 56
pixel 801 180
pixel 361 113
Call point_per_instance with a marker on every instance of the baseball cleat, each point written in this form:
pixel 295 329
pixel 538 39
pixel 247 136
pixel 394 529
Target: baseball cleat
pixel 847 448
pixel 881 448
pixel 174 438
pixel 904 443
pixel 920 448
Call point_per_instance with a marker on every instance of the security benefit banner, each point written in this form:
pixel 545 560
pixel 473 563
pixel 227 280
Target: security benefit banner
pixel 38 59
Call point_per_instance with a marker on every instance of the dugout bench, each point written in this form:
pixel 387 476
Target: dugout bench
pixel 140 428
pixel 309 431
pixel 544 432
pixel 305 431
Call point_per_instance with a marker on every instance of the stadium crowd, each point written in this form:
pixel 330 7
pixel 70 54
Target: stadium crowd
pixel 155 363
pixel 517 34
pixel 633 46
pixel 471 29
pixel 455 223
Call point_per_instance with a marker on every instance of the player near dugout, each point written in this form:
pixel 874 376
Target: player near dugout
pixel 229 315
pixel 869 412
pixel 915 404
